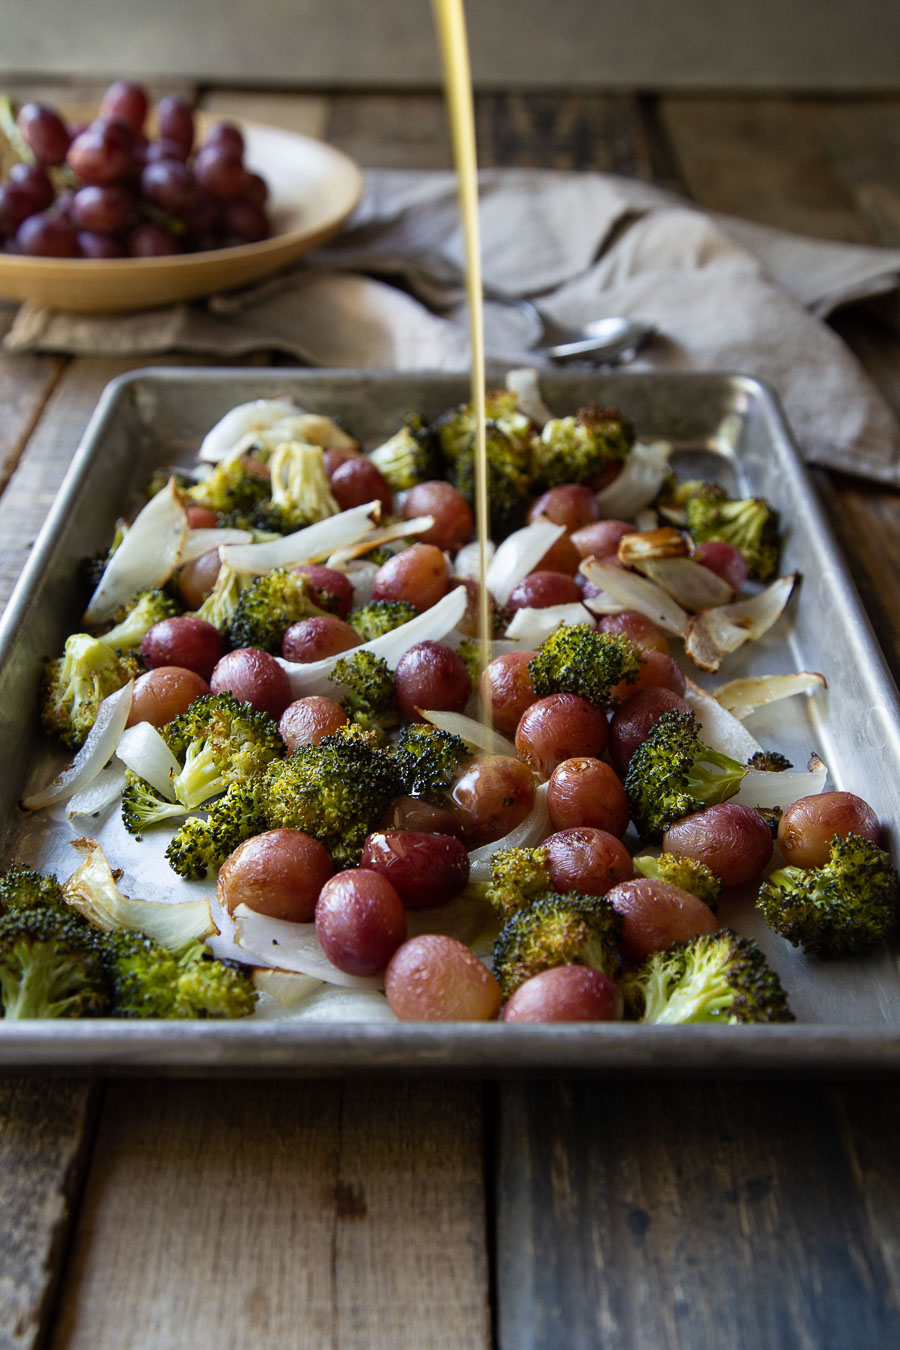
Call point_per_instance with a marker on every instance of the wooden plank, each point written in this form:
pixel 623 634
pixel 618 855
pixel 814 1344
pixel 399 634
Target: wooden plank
pixel 284 1214
pixel 390 131
pixel 25 385
pixel 696 1216
pixel 44 1128
pixel 569 131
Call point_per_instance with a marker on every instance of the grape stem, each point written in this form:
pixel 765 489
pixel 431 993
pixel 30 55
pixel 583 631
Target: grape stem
pixel 9 130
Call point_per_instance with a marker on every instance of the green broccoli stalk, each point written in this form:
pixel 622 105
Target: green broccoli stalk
pixel 50 965
pixel 300 494
pixel 76 683
pixel 576 659
pixel 144 610
pixel 750 525
pixel 149 980
pixel 557 930
pixel 368 684
pixel 267 607
pixel 143 807
pixel 846 906
pixel 688 873
pixel 576 449
pixel 219 741
pixel 232 485
pixel 379 617
pixel 410 456
pixel 428 760
pixel 719 978
pixel 673 774
pixel 519 876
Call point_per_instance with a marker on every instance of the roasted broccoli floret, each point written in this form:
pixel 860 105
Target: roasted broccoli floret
pixel 143 807
pixel 508 437
pixel 199 847
pixel 267 608
pixel 23 888
pixel 300 493
pixel 368 689
pixel 844 907
pixel 769 761
pixel 575 449
pixel 688 873
pixel 219 606
pixel 149 980
pixel 428 760
pixel 232 485
pixel 519 876
pixel 219 741
pixel 750 524
pixel 76 683
pixel 138 617
pixel 719 977
pixel 557 930
pixel 576 659
pixel 50 965
pixel 379 617
pixel 672 774
pixel 410 456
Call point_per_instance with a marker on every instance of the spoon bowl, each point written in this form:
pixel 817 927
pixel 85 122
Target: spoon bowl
pixel 602 340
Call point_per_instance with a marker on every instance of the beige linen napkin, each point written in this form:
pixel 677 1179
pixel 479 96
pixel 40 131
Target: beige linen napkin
pixel 724 294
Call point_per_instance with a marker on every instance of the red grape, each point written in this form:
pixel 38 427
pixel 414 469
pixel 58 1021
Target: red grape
pixel 601 537
pixel 434 978
pixel 725 560
pixel 163 693
pixel 492 795
pixel 431 675
pixel 632 721
pixel 279 873
pixel 507 689
pixel 126 102
pixel 565 994
pixel 184 640
pixel 360 921
pixel 572 505
pixel 44 131
pixel 150 240
pixel 656 915
pixel 733 841
pixel 556 728
pixel 357 481
pixel 541 589
pixel 587 860
pixel 102 209
pixel 808 826
pixel 45 235
pixel 170 185
pixel 307 720
pixel 175 121
pixel 317 637
pixel 243 222
pixel 254 677
pixel 586 791
pixel 328 588
pixel 219 170
pixel 454 521
pixel 424 867
pixel 102 154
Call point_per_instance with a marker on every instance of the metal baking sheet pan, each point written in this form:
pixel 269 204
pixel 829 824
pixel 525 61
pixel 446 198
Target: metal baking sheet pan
pixel 725 426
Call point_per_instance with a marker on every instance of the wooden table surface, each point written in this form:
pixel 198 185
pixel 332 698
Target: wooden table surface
pixel 530 1215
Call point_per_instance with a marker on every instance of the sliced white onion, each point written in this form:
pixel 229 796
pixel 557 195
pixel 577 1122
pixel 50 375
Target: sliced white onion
pixel 694 586
pixel 312 429
pixel 646 519
pixel 431 625
pixel 714 633
pixel 532 831
pixel 331 1004
pixel 292 946
pixel 720 729
pixel 97 751
pixel 651 545
pixel 93 891
pixel 285 985
pixel 105 789
pixel 239 424
pixel 361 575
pixel 639 482
pixel 531 627
pixel 203 541
pixel 638 593
pixel 312 544
pixel 387 534
pixel 146 557
pixel 525 384
pixel 742 697
pixel 769 790
pixel 474 733
pixel 518 555
pixel 467 563
pixel 143 750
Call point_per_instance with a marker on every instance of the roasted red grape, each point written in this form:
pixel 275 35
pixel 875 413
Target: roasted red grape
pixel 430 675
pixel 454 521
pixel 307 720
pixel 571 505
pixel 184 640
pixel 163 693
pixel 556 728
pixel 492 795
pixel 319 636
pixel 279 873
pixel 360 921
pixel 507 689
pixel 357 481
pixel 255 677
pixel 807 827
pixel 586 791
pixel 733 841
pixel 328 588
pixel 600 538
pixel 541 589
pixel 588 860
pixel 640 630
pixel 632 721
pixel 425 868
pixel 419 574
pixel 656 915
pixel 434 978
pixel 565 994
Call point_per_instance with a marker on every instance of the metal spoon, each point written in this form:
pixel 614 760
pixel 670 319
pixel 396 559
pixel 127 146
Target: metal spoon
pixel 601 341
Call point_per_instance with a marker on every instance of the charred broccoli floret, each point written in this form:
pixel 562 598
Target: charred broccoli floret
pixel 199 847
pixel 232 485
pixel 749 524
pixel 575 449
pixel 300 494
pixel 557 930
pixel 267 608
pixel 508 437
pixel 719 977
pixel 672 774
pixel 220 605
pixel 137 618
pixel 149 980
pixel 844 907
pixel 688 873
pixel 219 741
pixel 76 683
pixel 23 888
pixel 379 617
pixel 143 807
pixel 519 876
pixel 50 965
pixel 576 659
pixel 769 761
pixel 428 760
pixel 410 456
pixel 368 684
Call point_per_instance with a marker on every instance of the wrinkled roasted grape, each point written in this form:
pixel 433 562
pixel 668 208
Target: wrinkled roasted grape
pixel 414 813
pixel 565 994
pixel 200 518
pixel 46 235
pixel 808 826
pixel 307 720
pixel 430 675
pixel 656 915
pixel 278 873
pixel 600 538
pixel 434 978
pixel 725 560
pixel 539 590
pixel 492 795
pixel 197 579
pixel 102 153
pixel 425 868
pixel 571 505
pixel 255 677
pixel 556 728
pixel 586 791
pixel 561 556
pixel 640 630
pixel 360 921
pixel 44 131
pixel 633 720
pixel 163 693
pixel 102 209
pixel 507 689
pixel 454 521
pixel 357 481
pixel 219 170
pixel 184 640
pixel 733 841
pixel 586 859
pixel 127 102
pixel 175 121
pixel 315 638
pixel 657 671
pixel 328 588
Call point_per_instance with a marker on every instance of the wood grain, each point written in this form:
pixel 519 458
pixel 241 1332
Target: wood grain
pixel 289 1215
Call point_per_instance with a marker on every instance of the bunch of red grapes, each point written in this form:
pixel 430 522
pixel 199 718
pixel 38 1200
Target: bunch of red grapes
pixel 106 190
